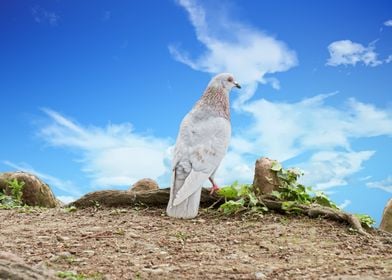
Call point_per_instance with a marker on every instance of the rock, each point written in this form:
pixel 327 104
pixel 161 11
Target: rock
pixel 14 268
pixel 35 192
pixel 386 222
pixel 144 185
pixel 265 180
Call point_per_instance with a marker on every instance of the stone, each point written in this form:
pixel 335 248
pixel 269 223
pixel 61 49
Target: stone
pixel 144 185
pixel 265 180
pixel 14 268
pixel 386 222
pixel 34 192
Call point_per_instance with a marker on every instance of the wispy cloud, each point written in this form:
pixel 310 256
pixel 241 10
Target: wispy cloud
pixel 327 169
pixel 66 186
pixel 388 23
pixel 112 156
pixel 66 198
pixel 284 130
pixel 345 203
pixel 310 127
pixel 385 184
pixel 232 46
pixel 311 130
pixel 41 15
pixel 346 52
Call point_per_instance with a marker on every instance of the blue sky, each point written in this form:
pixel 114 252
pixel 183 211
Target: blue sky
pixel 93 92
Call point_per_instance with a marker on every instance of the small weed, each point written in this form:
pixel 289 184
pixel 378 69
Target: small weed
pixel 239 198
pixel 96 204
pixel 14 200
pixel 116 212
pixel 182 236
pixel 293 196
pixel 120 231
pixel 69 275
pixel 365 220
pixel 70 259
pixel 284 221
pixel 70 209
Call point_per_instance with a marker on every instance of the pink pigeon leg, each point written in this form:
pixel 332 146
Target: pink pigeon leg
pixel 214 186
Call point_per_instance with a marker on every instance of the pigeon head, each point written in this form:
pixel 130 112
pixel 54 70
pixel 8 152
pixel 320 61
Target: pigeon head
pixel 225 80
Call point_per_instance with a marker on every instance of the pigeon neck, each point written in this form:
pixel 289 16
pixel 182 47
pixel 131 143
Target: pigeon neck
pixel 217 98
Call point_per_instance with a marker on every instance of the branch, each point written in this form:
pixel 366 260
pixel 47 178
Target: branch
pixel 160 198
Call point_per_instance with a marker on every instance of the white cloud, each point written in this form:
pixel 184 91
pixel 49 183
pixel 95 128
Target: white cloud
pixel 285 131
pixel 388 23
pixel 346 52
pixel 235 167
pixel 66 199
pixel 111 156
pixel 388 59
pixel 326 169
pixel 232 46
pixel 309 128
pixel 66 186
pixel 345 203
pixel 42 15
pixel 385 184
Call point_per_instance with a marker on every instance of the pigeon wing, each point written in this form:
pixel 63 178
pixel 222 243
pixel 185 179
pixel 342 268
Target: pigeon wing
pixel 205 143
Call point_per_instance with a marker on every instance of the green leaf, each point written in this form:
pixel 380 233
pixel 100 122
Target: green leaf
pixel 365 220
pixel 276 166
pixel 245 190
pixel 253 201
pixel 290 206
pixel 231 206
pixel 229 192
pixel 277 194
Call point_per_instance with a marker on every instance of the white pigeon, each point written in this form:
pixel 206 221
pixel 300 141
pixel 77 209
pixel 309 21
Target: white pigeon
pixel 201 145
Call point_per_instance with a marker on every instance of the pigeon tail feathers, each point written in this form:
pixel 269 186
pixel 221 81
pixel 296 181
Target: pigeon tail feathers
pixel 192 183
pixel 187 209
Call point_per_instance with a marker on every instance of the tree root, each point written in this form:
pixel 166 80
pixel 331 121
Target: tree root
pixel 318 211
pixel 160 198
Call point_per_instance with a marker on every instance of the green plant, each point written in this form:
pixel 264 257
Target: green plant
pixel 182 236
pixel 16 188
pixel 69 275
pixel 365 220
pixel 295 193
pixel 70 209
pixel 15 199
pixel 294 196
pixel 239 198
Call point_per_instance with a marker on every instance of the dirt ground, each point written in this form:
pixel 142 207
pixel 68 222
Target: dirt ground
pixel 146 244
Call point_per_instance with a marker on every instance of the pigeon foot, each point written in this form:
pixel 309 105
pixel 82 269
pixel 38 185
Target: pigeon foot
pixel 214 187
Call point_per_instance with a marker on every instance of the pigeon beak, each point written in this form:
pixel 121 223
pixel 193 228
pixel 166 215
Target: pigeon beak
pixel 237 85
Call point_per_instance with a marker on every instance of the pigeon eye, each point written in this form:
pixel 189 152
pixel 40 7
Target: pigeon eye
pixel 230 79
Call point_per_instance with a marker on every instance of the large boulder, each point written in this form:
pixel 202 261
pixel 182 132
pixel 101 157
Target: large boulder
pixel 34 192
pixel 14 268
pixel 265 180
pixel 386 222
pixel 144 185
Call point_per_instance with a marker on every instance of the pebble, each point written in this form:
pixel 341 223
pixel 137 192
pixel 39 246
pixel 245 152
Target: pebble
pixel 260 275
pixel 89 253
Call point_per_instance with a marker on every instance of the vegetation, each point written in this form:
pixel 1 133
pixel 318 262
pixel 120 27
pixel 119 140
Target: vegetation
pixel 293 195
pixel 69 275
pixel 365 220
pixel 239 198
pixel 14 200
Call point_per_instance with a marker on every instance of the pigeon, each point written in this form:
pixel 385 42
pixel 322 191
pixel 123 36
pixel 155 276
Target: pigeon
pixel 201 144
